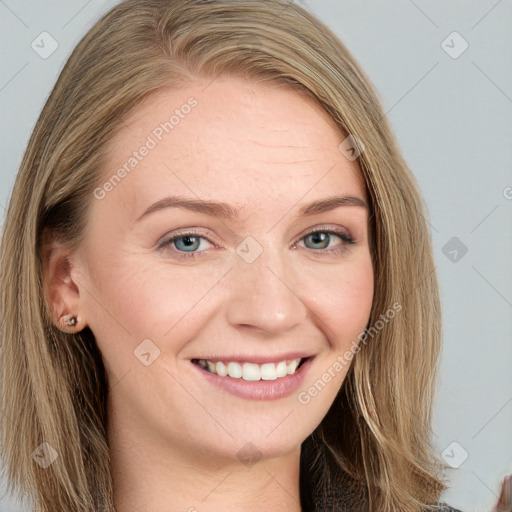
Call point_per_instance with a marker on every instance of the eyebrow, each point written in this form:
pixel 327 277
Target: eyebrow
pixel 223 210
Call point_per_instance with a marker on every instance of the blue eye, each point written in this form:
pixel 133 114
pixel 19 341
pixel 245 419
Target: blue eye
pixel 186 245
pixel 190 243
pixel 323 237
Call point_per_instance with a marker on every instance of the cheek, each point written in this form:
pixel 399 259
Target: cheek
pixel 135 299
pixel 344 300
pixel 138 299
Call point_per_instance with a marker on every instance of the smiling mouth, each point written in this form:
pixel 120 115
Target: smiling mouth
pixel 251 371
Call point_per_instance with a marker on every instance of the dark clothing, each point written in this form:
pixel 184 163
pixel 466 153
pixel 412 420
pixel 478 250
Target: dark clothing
pixel 334 490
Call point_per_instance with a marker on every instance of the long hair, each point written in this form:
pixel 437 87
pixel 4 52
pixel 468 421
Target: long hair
pixel 376 435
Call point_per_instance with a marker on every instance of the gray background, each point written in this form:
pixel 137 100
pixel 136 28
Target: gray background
pixel 452 118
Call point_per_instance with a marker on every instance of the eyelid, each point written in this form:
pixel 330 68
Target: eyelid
pixel 327 229
pixel 166 239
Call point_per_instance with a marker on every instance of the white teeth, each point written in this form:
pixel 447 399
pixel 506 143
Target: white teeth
pixel 292 366
pixel 268 371
pixel 251 371
pixel 234 370
pixel 281 369
pixel 221 369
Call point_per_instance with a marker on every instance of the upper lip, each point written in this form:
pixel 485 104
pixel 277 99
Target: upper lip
pixel 255 359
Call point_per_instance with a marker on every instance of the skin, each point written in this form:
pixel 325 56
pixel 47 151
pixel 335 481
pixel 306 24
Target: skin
pixel 267 151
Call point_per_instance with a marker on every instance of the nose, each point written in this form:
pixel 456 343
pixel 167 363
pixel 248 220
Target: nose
pixel 265 295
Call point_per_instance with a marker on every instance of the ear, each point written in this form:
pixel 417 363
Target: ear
pixel 61 290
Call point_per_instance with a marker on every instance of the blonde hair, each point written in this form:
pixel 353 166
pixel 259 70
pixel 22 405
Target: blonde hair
pixel 376 436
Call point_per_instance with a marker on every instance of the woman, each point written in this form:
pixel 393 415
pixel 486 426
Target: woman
pixel 223 293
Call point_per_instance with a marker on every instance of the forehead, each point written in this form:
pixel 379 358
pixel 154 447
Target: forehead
pixel 231 140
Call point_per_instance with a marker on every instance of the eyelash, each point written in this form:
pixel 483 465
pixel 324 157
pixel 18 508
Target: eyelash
pixel 337 250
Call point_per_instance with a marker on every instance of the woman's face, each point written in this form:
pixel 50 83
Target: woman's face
pixel 255 286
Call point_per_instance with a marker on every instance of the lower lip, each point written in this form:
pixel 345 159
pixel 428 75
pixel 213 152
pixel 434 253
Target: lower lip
pixel 259 389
